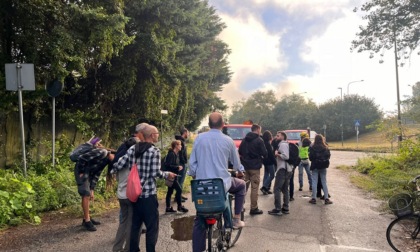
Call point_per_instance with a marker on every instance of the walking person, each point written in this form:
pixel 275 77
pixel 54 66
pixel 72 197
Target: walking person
pixel 319 155
pixel 210 155
pixel 269 163
pixel 183 159
pixel 147 157
pixel 172 164
pixel 252 151
pixel 282 177
pixel 304 163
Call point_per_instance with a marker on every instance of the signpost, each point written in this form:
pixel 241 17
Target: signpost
pixel 162 112
pixel 53 89
pixel 20 77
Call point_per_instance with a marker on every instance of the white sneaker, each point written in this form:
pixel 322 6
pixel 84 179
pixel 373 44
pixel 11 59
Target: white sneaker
pixel 237 223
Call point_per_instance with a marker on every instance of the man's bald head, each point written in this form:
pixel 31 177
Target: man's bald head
pixel 216 121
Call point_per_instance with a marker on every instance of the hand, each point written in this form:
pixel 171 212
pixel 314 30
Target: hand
pixel 171 176
pixel 111 156
pixel 92 195
pixel 180 168
pixel 81 175
pixel 239 174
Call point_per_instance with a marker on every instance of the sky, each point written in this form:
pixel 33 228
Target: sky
pixel 298 46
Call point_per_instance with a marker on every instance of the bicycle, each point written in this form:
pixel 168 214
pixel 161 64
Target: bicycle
pixel 402 233
pixel 210 202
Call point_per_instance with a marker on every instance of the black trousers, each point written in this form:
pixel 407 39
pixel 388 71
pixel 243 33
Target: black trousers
pixel 145 210
pixel 175 186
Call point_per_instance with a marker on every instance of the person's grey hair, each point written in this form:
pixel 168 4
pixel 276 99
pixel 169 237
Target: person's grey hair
pixel 147 132
pixel 140 127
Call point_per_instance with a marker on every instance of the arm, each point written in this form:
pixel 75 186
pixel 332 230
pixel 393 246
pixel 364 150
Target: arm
pixel 170 162
pixel 264 152
pixel 234 158
pixel 284 151
pixel 193 159
pixel 125 160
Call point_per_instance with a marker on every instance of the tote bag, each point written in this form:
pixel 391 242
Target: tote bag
pixel 134 188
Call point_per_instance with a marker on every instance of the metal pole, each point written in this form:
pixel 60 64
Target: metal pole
pixel 341 125
pixel 398 89
pixel 348 85
pixel 53 132
pixel 22 128
pixel 161 132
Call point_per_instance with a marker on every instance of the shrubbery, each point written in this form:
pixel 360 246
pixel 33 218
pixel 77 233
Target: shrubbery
pixel 391 174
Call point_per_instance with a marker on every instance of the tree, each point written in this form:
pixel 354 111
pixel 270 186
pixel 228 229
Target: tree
pixel 413 103
pixel 389 21
pixel 257 108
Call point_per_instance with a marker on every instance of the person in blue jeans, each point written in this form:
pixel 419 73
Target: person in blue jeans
pixel 319 155
pixel 269 162
pixel 304 163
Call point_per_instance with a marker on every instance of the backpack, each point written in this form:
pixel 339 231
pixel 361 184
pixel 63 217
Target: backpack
pixel 80 150
pixel 162 164
pixel 294 158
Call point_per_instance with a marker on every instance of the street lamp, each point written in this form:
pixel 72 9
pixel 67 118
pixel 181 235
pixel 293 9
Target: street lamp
pixel 341 125
pixel 348 85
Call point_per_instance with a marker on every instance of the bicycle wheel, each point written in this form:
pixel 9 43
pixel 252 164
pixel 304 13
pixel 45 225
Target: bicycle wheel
pixel 215 236
pixel 402 233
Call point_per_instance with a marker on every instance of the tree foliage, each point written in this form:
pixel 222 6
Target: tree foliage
pixel 294 112
pixel 412 104
pixel 120 61
pixel 389 21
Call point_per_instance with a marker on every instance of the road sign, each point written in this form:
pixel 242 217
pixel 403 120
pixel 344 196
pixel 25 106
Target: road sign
pixel 19 74
pixel 356 123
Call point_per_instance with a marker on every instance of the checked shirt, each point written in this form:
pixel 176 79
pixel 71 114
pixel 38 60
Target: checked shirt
pixel 148 166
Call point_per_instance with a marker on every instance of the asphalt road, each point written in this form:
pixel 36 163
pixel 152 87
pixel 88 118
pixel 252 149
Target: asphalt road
pixel 352 223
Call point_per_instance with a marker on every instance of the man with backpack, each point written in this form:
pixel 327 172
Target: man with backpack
pixel 252 151
pixel 282 177
pixel 91 158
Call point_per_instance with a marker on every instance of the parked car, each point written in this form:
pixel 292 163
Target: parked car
pixel 237 132
pixel 293 136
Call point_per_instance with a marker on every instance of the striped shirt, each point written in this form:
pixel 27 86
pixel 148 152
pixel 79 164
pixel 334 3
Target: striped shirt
pixel 148 166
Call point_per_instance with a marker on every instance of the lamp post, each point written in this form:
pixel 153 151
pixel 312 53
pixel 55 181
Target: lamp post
pixel 341 125
pixel 348 85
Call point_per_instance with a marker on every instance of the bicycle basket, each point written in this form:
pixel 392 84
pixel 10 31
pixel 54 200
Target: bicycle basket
pixel 208 195
pixel 401 204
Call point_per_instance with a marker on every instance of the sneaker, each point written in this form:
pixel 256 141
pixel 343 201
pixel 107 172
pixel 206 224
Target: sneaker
pixel 89 226
pixel 312 201
pixel 328 201
pixel 263 190
pixel 182 209
pixel 300 188
pixel 170 210
pixel 285 211
pixel 255 211
pixel 275 212
pixel 94 222
pixel 269 192
pixel 237 223
pixel 291 199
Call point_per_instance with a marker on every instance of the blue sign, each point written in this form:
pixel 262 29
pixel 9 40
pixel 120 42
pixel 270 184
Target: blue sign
pixel 356 123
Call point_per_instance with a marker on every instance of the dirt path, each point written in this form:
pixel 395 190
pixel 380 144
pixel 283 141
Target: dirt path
pixel 352 223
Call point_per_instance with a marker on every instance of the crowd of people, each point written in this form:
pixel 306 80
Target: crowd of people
pixel 211 153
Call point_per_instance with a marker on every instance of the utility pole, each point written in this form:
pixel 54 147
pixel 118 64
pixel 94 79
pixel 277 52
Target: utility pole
pixel 341 125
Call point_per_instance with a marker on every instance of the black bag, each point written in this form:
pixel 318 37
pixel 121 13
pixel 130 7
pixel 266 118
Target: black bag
pixel 80 150
pixel 162 164
pixel 294 158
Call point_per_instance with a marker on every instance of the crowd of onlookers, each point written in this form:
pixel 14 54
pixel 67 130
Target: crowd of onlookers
pixel 211 153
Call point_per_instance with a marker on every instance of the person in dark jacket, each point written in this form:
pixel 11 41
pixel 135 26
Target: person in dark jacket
pixel 172 164
pixel 269 163
pixel 183 159
pixel 319 155
pixel 252 151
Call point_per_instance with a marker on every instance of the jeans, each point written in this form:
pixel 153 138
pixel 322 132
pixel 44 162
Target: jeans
pixel 145 210
pixel 237 188
pixel 178 193
pixel 124 229
pixel 182 174
pixel 254 177
pixel 323 175
pixel 308 174
pixel 281 185
pixel 292 184
pixel 268 176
